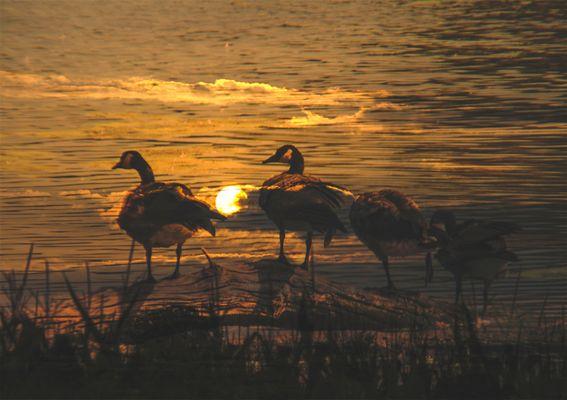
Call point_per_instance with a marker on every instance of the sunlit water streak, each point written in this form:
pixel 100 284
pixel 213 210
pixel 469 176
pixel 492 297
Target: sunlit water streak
pixel 459 105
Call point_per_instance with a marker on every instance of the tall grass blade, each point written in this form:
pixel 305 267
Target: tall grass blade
pixel 89 324
pixel 47 291
pixel 20 292
pixel 89 286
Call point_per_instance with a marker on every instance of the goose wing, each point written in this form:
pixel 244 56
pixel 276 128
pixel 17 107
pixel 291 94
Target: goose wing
pixel 407 208
pixel 304 198
pixel 474 231
pixel 305 189
pixel 388 215
pixel 163 204
pixel 457 253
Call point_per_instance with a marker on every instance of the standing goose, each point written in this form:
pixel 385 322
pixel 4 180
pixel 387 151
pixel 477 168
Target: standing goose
pixel 297 202
pixel 390 224
pixel 157 214
pixel 473 249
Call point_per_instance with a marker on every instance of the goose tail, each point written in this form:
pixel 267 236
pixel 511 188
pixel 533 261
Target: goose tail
pixel 428 242
pixel 329 237
pixel 214 214
pixel 331 232
pixel 509 256
pixel 207 225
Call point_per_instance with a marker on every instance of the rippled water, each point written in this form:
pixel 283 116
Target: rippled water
pixel 459 105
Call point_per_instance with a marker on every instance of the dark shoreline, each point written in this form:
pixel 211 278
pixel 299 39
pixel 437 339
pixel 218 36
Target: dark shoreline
pixel 183 342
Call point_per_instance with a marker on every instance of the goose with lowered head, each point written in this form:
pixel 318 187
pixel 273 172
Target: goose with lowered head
pixel 473 249
pixel 390 223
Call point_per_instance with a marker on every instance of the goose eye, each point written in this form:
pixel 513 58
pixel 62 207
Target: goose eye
pixel 127 162
pixel 286 156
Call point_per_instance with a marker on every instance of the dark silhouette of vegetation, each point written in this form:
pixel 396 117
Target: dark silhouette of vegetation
pixel 175 352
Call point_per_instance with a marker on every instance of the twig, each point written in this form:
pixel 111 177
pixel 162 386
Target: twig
pixel 540 319
pixel 89 286
pixel 516 287
pixel 47 290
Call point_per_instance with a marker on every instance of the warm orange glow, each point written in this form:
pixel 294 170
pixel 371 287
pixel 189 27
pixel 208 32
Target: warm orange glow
pixel 229 199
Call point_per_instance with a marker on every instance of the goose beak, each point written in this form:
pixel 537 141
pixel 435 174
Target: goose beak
pixel 117 165
pixel 271 159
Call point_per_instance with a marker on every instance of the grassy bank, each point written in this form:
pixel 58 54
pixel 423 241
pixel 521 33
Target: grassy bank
pixel 177 352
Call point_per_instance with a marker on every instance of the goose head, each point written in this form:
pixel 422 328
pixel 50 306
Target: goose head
pixel 132 159
pixel 442 225
pixel 443 221
pixel 287 154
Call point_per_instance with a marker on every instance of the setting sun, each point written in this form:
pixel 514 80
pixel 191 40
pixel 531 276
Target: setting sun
pixel 229 199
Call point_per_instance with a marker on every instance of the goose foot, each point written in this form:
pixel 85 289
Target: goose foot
pixel 391 287
pixel 150 279
pixel 303 266
pixel 283 260
pixel 174 275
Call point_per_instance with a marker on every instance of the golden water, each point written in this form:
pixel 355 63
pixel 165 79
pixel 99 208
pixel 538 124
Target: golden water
pixel 459 105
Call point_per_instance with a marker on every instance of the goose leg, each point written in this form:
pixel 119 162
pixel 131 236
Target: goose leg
pixel 386 264
pixel 485 296
pixel 178 251
pixel 282 258
pixel 458 289
pixel 308 244
pixel 131 254
pixel 129 267
pixel 428 269
pixel 149 276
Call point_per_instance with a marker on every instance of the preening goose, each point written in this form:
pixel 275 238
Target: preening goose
pixel 390 224
pixel 297 202
pixel 473 249
pixel 157 214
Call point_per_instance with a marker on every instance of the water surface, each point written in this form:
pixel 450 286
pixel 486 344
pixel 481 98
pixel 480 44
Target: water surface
pixel 459 105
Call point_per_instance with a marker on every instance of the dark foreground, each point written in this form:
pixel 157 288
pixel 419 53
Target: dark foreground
pixel 207 364
pixel 77 348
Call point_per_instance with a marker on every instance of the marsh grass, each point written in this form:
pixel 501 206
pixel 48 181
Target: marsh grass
pixel 176 352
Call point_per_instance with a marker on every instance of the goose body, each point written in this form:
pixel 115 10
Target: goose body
pixel 158 214
pixel 164 214
pixel 297 202
pixel 473 249
pixel 389 223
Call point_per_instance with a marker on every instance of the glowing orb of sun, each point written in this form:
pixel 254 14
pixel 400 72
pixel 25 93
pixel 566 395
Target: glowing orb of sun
pixel 229 199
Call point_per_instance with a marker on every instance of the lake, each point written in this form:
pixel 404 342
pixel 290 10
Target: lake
pixel 460 105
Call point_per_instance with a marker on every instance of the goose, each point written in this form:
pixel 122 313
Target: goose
pixel 297 202
pixel 390 223
pixel 473 249
pixel 158 214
